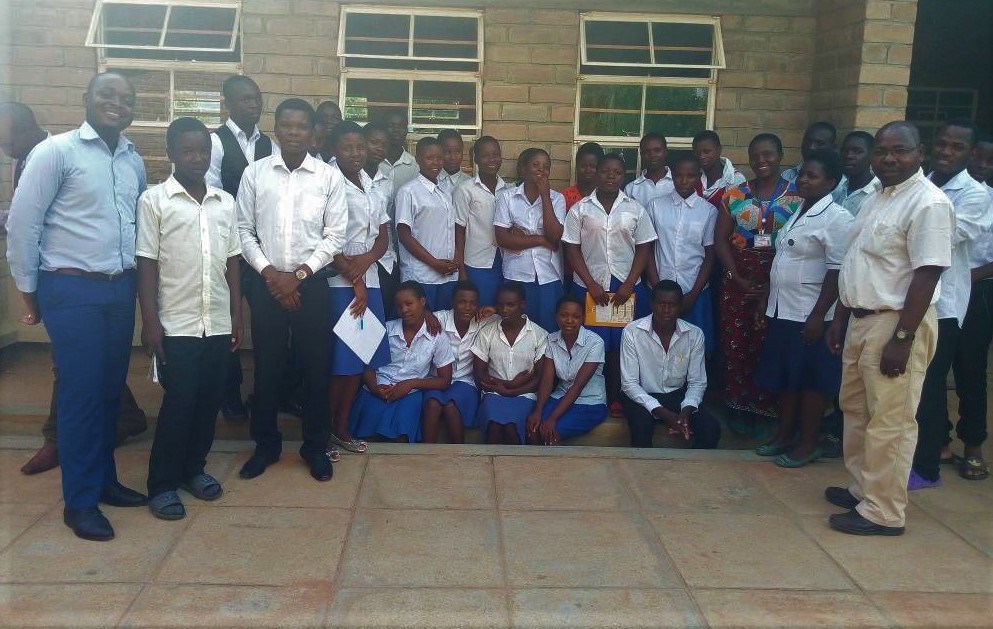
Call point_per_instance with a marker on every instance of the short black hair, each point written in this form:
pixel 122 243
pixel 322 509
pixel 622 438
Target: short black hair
pixel 705 135
pixel 374 126
pixel 903 126
pixel 328 103
pixel 963 123
pixel 424 143
pixel 234 81
pixel 612 157
pixel 481 142
pixel 767 137
pixel 393 111
pixel 864 136
pixel 528 154
pixel 667 286
pixel 685 157
pixel 99 75
pixel 570 299
pixel 449 134
pixel 344 128
pixel 412 286
pixel 829 159
pixel 21 115
pixel 824 125
pixel 513 287
pixel 179 126
pixel 590 148
pixel 653 135
pixel 297 104
pixel 465 285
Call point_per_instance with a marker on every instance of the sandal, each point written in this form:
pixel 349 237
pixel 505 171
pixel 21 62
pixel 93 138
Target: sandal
pixel 333 454
pixel 167 506
pixel 352 445
pixel 203 486
pixel 785 460
pixel 974 468
pixel 771 449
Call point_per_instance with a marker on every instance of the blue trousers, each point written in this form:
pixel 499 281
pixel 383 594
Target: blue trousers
pixel 90 323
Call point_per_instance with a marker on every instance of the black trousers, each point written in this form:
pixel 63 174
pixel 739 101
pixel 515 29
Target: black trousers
pixel 970 366
pixel 932 412
pixel 272 327
pixel 705 430
pixel 193 379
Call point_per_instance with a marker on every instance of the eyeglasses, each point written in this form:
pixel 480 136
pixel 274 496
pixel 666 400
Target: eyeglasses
pixel 899 152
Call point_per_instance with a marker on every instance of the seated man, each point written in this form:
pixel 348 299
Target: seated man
pixel 663 376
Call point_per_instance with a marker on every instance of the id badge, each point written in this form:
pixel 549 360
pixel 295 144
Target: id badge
pixel 763 241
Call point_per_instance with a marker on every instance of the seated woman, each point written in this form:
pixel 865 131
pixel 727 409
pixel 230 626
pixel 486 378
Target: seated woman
pixel 507 353
pixel 389 404
pixel 572 399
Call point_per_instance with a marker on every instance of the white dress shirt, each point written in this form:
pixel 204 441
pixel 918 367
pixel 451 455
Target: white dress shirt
pixel 506 361
pixel 685 228
pixel 852 201
pixel 512 209
pixel 646 366
pixel 587 349
pixel 246 142
pixel 807 247
pixel 366 213
pixel 449 182
pixel 644 190
pixel 401 171
pixel 382 187
pixel 982 247
pixel 607 240
pixel 191 243
pixel 730 177
pixel 461 345
pixel 288 218
pixel 972 219
pixel 428 211
pixel 415 361
pixel 474 210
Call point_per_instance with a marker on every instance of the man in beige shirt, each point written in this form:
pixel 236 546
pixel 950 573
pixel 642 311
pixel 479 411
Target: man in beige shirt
pixel 888 285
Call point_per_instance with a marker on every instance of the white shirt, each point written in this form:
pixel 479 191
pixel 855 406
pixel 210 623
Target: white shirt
pixel 646 366
pixel 512 209
pixel 291 218
pixel 415 361
pixel 644 190
pixel 852 201
pixel 246 142
pixel 899 228
pixel 807 247
pixel 685 227
pixel 972 219
pixel 449 182
pixel 191 243
pixel 401 171
pixel 366 212
pixel 506 361
pixel 461 345
pixel 474 208
pixel 382 187
pixel 587 349
pixel 730 177
pixel 982 247
pixel 607 240
pixel 428 211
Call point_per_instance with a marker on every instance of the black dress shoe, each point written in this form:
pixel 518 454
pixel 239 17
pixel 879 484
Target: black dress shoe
pixel 234 409
pixel 117 495
pixel 255 465
pixel 320 466
pixel 853 523
pixel 841 497
pixel 88 524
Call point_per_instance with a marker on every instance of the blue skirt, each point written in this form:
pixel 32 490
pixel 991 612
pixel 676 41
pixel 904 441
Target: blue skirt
pixel 541 300
pixel 486 280
pixel 579 419
pixel 642 308
pixel 504 410
pixel 788 365
pixel 702 316
pixel 463 395
pixel 439 296
pixel 344 362
pixel 373 416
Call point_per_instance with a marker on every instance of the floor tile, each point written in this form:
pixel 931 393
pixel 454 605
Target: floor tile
pixel 787 609
pixel 746 551
pixel 288 483
pixel 258 546
pixel 15 518
pixel 956 495
pixel 75 605
pixel 412 548
pixel 802 490
pixel 44 488
pixel 420 608
pixel 229 606
pixel 936 610
pixel 583 549
pixel 603 608
pixel 526 483
pixel 428 482
pixel 976 529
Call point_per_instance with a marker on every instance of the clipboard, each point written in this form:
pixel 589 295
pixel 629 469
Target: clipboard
pixel 609 316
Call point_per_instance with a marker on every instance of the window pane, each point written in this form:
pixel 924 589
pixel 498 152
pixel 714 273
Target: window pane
pixel 630 155
pixel 455 37
pixel 367 34
pixel 198 94
pixel 133 25
pixel 368 99
pixel 151 94
pixel 443 104
pixel 610 110
pixel 685 44
pixel 200 27
pixel 676 111
pixel 617 42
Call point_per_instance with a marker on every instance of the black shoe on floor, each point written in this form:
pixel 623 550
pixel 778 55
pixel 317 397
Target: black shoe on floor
pixel 292 407
pixel 853 523
pixel 234 409
pixel 88 524
pixel 117 495
pixel 255 465
pixel 841 497
pixel 320 466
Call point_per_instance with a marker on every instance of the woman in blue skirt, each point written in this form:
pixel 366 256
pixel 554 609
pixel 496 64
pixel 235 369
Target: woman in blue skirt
pixel 389 405
pixel 572 399
pixel 507 354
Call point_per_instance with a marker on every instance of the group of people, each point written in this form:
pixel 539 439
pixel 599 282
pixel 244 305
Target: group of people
pixel 528 313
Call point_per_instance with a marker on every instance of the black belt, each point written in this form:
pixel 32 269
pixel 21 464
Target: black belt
pixel 858 313
pixel 94 275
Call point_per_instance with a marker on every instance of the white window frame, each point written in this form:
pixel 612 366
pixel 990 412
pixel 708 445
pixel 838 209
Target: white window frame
pixel 95 41
pixel 413 12
pixel 172 70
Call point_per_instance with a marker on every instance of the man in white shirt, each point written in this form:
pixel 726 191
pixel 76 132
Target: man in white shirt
pixel 655 178
pixel 328 118
pixel 858 181
pixel 663 377
pixel 399 165
pixel 292 217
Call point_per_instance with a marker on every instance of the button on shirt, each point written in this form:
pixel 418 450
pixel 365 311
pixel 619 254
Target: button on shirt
pixel 450 182
pixel 647 367
pixel 607 240
pixel 644 190
pixel 512 209
pixel 428 211
pixel 852 201
pixel 685 228
pixel 972 220
pixel 414 361
pixel 982 247
pixel 366 212
pixel 246 142
pixel 506 361
pixel 291 218
pixel 587 349
pixel 382 188
pixel 809 246
pixel 75 207
pixel 474 210
pixel 401 171
pixel 899 228
pixel 461 345
pixel 191 243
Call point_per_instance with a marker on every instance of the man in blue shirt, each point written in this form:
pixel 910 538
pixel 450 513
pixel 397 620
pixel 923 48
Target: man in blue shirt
pixel 71 250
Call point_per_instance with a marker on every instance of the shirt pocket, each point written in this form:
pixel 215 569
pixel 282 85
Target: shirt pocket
pixel 885 240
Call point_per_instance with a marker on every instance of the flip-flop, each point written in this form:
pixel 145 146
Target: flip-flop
pixel 974 468
pixel 771 449
pixel 163 506
pixel 352 445
pixel 204 486
pixel 784 460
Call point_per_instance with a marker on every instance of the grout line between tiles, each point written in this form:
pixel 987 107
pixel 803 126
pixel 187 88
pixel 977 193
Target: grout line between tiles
pixel 337 579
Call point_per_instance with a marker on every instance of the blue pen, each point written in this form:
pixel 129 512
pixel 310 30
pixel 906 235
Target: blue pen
pixel 361 323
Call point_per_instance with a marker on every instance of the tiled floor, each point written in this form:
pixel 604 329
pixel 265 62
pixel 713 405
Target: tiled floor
pixel 435 537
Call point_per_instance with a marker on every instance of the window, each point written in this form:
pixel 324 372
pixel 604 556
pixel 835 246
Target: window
pixel 929 107
pixel 425 63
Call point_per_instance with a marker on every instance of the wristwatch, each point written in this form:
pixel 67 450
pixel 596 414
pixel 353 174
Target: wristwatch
pixel 903 335
pixel 300 274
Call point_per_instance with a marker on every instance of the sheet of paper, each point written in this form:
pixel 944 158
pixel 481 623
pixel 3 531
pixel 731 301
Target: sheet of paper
pixel 609 315
pixel 362 334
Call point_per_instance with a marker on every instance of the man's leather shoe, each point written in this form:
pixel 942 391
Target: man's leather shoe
pixel 255 465
pixel 320 466
pixel 88 524
pixel 117 495
pixel 43 460
pixel 234 409
pixel 841 497
pixel 853 523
